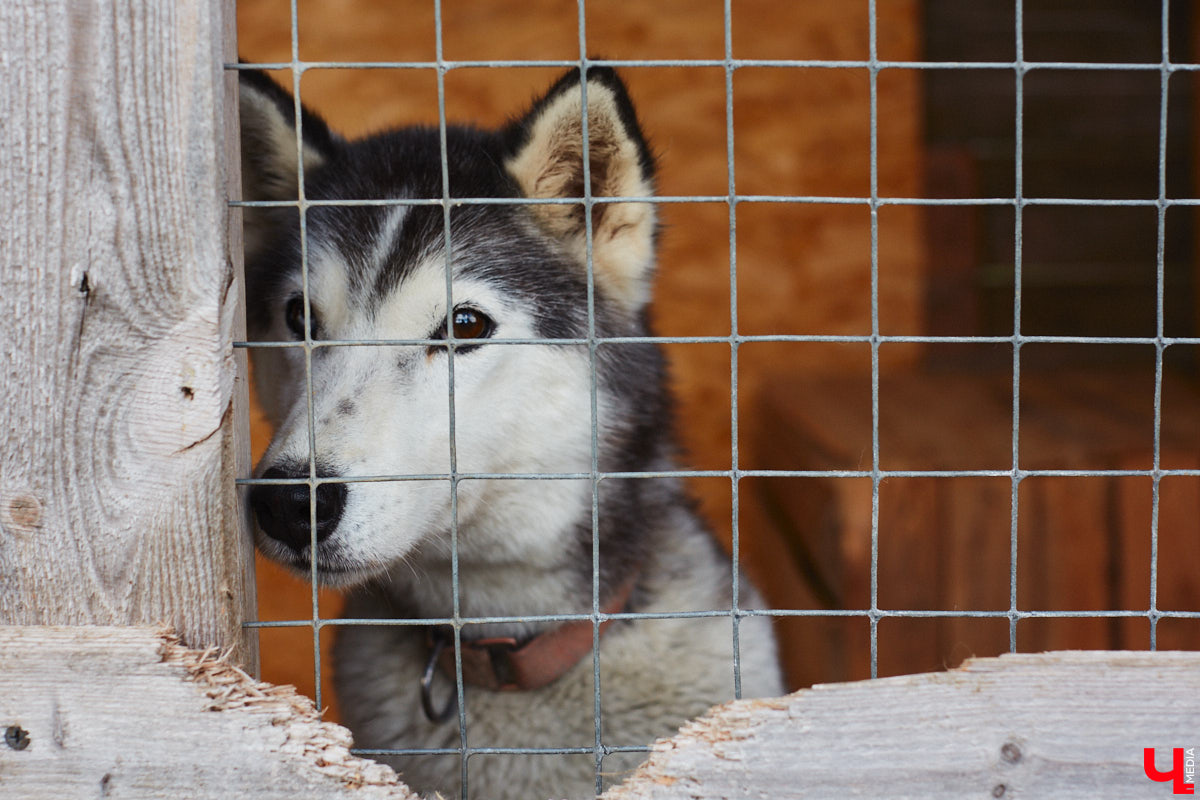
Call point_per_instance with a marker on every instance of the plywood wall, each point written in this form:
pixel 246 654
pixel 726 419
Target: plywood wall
pixel 801 268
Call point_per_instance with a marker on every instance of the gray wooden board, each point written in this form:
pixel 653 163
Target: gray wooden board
pixel 118 307
pixel 129 713
pixel 1057 725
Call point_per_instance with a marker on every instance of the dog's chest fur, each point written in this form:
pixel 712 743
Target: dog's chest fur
pixel 655 674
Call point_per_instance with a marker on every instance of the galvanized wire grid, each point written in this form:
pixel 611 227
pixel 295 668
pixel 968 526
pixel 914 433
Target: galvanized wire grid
pixel 1019 67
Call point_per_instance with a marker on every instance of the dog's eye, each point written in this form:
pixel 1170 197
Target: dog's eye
pixel 293 314
pixel 471 324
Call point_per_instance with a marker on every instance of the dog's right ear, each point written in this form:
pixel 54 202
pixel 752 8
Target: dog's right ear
pixel 545 158
pixel 269 155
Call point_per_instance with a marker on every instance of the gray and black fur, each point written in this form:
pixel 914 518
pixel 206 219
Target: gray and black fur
pixel 524 546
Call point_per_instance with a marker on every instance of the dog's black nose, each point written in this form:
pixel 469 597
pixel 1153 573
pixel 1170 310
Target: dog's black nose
pixel 283 510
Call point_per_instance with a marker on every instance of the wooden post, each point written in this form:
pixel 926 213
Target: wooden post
pixel 118 308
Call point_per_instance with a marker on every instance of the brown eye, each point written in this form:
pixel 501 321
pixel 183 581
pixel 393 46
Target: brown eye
pixel 471 324
pixel 293 314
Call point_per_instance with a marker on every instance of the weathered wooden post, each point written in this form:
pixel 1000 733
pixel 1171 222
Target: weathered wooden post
pixel 119 402
pixel 119 397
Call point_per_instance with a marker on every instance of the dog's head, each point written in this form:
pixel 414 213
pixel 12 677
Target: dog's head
pixel 377 272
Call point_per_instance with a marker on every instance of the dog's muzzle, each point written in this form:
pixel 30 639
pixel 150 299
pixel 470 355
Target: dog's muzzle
pixel 284 510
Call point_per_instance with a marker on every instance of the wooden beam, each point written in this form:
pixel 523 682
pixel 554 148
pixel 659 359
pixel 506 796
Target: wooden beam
pixel 119 307
pixel 88 711
pixel 128 712
pixel 1056 725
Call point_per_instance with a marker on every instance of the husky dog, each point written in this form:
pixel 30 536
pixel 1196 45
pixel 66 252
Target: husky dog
pixel 518 271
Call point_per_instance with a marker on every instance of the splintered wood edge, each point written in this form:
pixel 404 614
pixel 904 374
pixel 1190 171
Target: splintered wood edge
pixel 142 715
pixel 98 701
pixel 1055 725
pixel 322 746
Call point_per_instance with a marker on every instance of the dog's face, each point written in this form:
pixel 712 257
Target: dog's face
pixel 378 273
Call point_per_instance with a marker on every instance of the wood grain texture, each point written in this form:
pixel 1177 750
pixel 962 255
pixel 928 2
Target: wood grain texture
pixel 1056 725
pixel 128 712
pixel 118 301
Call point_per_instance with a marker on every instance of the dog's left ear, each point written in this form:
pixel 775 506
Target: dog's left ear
pixel 269 154
pixel 545 156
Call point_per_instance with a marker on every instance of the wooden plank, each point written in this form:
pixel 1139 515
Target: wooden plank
pixel 952 242
pixel 131 713
pixel 1178 580
pixel 128 712
pixel 119 301
pixel 977 537
pixel 1056 725
pixel 1065 531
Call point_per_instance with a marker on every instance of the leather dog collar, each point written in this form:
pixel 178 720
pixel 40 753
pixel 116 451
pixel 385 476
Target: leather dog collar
pixel 506 664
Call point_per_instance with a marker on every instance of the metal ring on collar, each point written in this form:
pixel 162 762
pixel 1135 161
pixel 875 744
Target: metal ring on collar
pixel 431 713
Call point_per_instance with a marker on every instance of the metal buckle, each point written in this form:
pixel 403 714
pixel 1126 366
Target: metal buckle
pixel 435 649
pixel 500 653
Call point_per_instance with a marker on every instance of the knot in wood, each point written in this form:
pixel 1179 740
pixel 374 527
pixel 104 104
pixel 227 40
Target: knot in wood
pixel 23 512
pixel 16 737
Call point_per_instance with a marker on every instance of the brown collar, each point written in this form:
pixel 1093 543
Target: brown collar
pixel 504 664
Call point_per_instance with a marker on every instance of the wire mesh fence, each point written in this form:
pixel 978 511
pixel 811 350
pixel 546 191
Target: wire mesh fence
pixel 734 201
